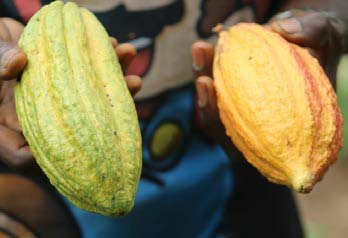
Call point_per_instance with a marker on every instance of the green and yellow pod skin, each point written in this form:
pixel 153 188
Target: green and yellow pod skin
pixel 76 111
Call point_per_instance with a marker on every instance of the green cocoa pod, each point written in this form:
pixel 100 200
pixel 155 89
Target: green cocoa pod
pixel 76 111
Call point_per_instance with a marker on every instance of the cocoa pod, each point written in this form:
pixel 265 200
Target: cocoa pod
pixel 277 105
pixel 76 111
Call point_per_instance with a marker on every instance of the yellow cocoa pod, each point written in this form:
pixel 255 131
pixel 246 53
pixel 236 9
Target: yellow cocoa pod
pixel 76 111
pixel 277 105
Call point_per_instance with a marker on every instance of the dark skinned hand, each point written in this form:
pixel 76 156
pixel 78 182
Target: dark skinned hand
pixel 14 150
pixel 322 35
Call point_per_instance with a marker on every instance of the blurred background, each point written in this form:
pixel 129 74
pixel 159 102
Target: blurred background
pixel 325 209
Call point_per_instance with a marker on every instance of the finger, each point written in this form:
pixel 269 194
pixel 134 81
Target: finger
pixel 8 117
pixel 12 61
pixel 202 54
pixel 5 32
pixel 314 30
pixel 309 30
pixel 207 102
pixel 16 29
pixel 14 150
pixel 289 14
pixel 133 83
pixel 126 53
pixel 6 92
pixel 114 42
pixel 213 109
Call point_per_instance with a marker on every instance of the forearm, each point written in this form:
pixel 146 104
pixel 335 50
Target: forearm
pixel 338 7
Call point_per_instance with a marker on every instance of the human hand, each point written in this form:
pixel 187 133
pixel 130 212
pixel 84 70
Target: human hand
pixel 202 54
pixel 321 33
pixel 323 36
pixel 14 150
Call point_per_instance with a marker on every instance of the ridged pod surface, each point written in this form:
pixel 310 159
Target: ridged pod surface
pixel 76 112
pixel 277 105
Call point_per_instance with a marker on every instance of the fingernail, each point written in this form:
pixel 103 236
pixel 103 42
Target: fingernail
pixel 198 60
pixel 290 26
pixel 202 95
pixel 284 15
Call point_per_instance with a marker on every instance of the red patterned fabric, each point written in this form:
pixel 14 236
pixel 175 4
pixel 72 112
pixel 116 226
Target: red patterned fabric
pixel 27 9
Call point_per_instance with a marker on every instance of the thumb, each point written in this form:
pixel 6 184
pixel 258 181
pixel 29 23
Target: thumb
pixel 12 60
pixel 311 29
